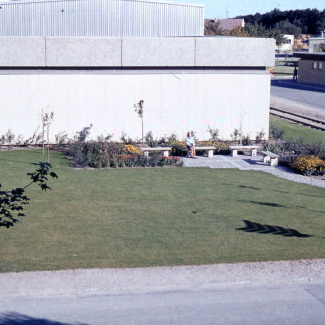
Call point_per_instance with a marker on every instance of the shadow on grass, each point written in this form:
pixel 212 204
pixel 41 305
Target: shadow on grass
pixel 274 230
pixel 249 187
pixel 274 205
pixel 20 319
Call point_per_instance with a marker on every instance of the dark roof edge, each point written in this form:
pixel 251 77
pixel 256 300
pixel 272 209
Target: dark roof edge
pixel 310 56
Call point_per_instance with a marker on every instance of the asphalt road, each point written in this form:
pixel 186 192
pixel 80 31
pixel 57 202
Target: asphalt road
pixel 303 94
pixel 282 292
pixel 237 304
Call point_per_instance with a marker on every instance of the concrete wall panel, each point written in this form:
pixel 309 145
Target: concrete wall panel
pixel 234 51
pixel 190 102
pixel 75 52
pixel 155 52
pixel 137 52
pixel 21 51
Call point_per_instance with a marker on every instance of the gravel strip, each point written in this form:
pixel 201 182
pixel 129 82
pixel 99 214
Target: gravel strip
pixel 100 281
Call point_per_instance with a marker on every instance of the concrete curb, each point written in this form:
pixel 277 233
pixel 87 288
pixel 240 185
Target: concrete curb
pixel 101 281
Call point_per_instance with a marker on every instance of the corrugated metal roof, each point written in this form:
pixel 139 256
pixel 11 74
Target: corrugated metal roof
pixel 100 18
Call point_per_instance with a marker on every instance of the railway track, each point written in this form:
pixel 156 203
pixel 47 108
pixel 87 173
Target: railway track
pixel 300 119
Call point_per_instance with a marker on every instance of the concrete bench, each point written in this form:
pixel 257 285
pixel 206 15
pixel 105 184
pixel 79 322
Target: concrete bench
pixel 270 157
pixel 208 149
pixel 165 150
pixel 234 149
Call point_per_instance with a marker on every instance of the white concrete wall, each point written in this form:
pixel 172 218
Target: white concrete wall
pixel 136 52
pixel 172 102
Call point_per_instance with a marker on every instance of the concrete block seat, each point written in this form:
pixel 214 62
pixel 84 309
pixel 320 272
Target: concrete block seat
pixel 208 149
pixel 270 157
pixel 253 149
pixel 165 150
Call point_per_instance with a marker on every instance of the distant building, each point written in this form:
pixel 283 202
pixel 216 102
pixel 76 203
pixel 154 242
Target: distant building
pixel 288 44
pixel 312 64
pixel 301 42
pixel 100 18
pixel 227 25
pixel 231 24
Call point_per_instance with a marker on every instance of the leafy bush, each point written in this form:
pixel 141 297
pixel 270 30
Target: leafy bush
pixel 101 153
pixel 309 165
pixel 273 147
pixel 178 148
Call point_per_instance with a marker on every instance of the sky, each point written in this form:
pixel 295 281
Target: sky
pixel 231 8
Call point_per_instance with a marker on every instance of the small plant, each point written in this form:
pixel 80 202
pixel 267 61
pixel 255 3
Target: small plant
pixel 47 119
pixel 19 140
pixel 260 136
pixel 126 139
pixel 214 134
pixel 276 131
pixel 10 136
pixel 151 141
pixel 273 147
pixel 236 135
pixel 139 110
pixel 3 139
pixel 61 139
pixel 246 141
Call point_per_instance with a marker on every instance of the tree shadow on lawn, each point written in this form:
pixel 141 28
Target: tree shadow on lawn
pixel 16 161
pixel 274 230
pixel 249 187
pixel 276 205
pixel 20 319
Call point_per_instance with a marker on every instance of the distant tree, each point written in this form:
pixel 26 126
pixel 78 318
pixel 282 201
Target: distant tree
pixel 310 21
pixel 258 31
pixel 285 27
pixel 12 202
pixel 213 28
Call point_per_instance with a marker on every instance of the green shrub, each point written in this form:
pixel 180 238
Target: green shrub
pixel 276 131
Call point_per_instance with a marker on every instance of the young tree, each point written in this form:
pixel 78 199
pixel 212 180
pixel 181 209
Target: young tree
pixel 47 119
pixel 139 109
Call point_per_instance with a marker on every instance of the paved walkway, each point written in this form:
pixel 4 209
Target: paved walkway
pixel 244 162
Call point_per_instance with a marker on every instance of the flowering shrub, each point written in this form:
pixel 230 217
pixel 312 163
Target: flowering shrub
pixel 129 148
pixel 309 165
pixel 178 148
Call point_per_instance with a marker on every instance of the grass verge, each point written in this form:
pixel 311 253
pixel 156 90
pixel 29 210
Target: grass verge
pixel 284 68
pixel 156 216
pixel 294 131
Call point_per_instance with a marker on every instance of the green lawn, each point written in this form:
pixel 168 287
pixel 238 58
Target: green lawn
pixel 283 68
pixel 294 131
pixel 155 216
